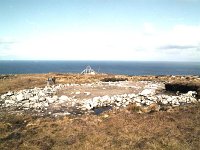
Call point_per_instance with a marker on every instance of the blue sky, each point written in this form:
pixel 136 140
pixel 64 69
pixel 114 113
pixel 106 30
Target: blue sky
pixel 100 30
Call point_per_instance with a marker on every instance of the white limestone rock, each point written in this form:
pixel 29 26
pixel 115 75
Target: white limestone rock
pixel 191 94
pixel 147 92
pixel 9 102
pixel 3 96
pixel 87 93
pixel 26 105
pixel 10 93
pixel 41 99
pixel 34 99
pixel 51 100
pixel 20 97
pixel 45 104
pixel 25 101
pixel 64 98
pixel 78 92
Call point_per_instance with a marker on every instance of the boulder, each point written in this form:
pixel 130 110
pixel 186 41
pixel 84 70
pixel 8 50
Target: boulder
pixel 147 92
pixel 87 93
pixel 41 99
pixel 27 95
pixel 45 104
pixel 13 97
pixel 10 93
pixel 9 102
pixel 20 97
pixel 3 96
pixel 191 93
pixel 78 92
pixel 34 99
pixel 64 98
pixel 51 99
pixel 88 106
pixel 26 105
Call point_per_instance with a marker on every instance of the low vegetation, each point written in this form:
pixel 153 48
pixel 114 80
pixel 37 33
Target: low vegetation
pixel 122 129
pixel 114 79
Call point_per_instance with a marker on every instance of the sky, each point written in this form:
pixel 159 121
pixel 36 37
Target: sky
pixel 127 30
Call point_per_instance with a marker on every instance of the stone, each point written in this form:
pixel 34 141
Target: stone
pixel 20 97
pixel 131 95
pixel 191 93
pixel 193 100
pixel 87 93
pixel 137 99
pixel 13 97
pixel 78 92
pixel 3 96
pixel 165 102
pixel 37 105
pixel 105 116
pixel 45 104
pixel 147 102
pixel 118 104
pixel 118 99
pixel 88 106
pixel 105 98
pixel 9 101
pixel 41 99
pixel 34 99
pixel 10 93
pixel 66 113
pixel 26 105
pixel 25 101
pixel 27 95
pixel 51 99
pixel 147 92
pixel 64 98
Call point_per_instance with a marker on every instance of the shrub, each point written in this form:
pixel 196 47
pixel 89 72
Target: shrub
pixel 114 79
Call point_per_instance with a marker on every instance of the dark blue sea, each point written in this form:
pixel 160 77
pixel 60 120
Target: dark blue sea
pixel 111 67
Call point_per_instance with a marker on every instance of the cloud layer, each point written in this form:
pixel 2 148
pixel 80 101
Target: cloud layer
pixel 180 43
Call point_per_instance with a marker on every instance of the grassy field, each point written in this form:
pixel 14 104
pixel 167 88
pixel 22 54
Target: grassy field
pixel 178 129
pixel 123 129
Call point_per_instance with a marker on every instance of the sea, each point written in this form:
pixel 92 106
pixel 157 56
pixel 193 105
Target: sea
pixel 109 67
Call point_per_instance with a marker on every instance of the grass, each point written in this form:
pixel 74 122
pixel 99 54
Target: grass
pixel 22 81
pixel 115 130
pixel 120 129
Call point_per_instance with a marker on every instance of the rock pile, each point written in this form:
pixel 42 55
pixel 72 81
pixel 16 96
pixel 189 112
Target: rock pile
pixel 41 99
pixel 145 99
pixel 37 98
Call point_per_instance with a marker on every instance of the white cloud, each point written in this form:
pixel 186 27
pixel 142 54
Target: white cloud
pixel 149 28
pixel 180 43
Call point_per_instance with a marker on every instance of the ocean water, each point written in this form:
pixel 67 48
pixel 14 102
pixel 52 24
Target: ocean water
pixel 111 67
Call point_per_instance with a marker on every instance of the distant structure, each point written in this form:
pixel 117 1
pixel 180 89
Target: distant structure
pixel 88 70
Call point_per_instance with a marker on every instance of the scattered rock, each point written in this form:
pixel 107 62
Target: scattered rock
pixel 44 98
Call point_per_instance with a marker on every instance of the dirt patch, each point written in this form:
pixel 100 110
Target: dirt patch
pixel 101 89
